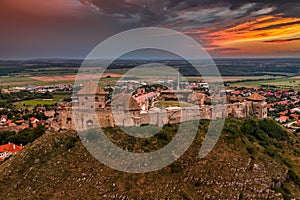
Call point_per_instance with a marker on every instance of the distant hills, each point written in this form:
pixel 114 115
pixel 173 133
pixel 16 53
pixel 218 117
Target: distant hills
pixel 254 159
pixel 227 67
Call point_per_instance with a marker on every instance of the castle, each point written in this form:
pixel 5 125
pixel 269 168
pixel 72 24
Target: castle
pixel 126 110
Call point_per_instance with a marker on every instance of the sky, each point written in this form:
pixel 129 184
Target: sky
pixel 225 28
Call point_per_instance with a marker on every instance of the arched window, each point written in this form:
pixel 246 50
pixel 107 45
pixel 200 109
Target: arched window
pixel 89 123
pixel 69 120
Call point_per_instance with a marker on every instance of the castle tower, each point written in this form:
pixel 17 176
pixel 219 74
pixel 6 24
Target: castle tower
pixel 259 105
pixel 92 96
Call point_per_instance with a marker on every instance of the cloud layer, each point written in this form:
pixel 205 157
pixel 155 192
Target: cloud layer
pixel 221 26
pixel 71 28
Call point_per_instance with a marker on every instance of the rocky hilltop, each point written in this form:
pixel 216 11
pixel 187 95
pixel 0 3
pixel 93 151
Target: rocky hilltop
pixel 254 159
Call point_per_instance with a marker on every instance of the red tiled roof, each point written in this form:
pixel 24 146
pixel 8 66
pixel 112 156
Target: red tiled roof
pixel 295 116
pixel 282 103
pixel 12 125
pixel 11 148
pixel 283 118
pixel 20 121
pixel 256 97
pixel 8 121
pixel 32 119
pixel 283 112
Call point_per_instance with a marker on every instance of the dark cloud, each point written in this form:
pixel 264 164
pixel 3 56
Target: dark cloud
pixel 72 28
pixel 148 12
pixel 277 26
pixel 282 40
pixel 225 49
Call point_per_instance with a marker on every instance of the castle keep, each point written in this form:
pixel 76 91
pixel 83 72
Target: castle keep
pixel 126 110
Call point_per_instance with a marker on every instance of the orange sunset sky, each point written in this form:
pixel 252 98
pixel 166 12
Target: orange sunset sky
pixel 225 28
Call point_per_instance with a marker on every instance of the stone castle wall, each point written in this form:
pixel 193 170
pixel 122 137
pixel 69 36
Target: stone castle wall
pixel 85 120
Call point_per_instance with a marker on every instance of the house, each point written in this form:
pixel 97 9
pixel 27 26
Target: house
pixel 23 126
pixel 295 116
pixel 283 112
pixel 8 122
pixel 40 109
pixel 282 119
pixel 282 103
pixel 33 120
pixel 3 118
pixel 295 110
pixel 50 113
pixel 12 125
pixel 8 150
pixel 19 122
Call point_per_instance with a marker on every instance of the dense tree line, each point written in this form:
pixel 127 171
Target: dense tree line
pixel 24 95
pixel 23 137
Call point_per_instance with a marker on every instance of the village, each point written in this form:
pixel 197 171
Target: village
pixel 282 105
pixel 157 105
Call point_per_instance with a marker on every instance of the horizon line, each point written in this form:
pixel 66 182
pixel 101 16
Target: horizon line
pixel 76 58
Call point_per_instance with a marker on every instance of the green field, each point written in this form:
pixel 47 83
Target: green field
pixel 61 97
pixel 9 81
pixel 6 81
pixel 35 102
pixel 281 83
pixel 231 78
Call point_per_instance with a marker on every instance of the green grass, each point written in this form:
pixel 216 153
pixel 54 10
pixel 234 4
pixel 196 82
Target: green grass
pixel 282 83
pixel 21 81
pixel 151 70
pixel 7 81
pixel 10 79
pixel 61 97
pixel 167 104
pixel 231 78
pixel 36 102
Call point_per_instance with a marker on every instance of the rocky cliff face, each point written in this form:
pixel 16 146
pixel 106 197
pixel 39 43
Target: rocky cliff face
pixel 57 166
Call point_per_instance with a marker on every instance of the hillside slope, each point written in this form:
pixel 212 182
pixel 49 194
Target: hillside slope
pixel 252 160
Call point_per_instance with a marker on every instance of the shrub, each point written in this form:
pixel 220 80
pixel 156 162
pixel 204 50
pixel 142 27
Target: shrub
pixel 23 137
pixel 273 129
pixel 249 126
pixel 185 195
pixel 251 150
pixel 176 167
pixel 271 152
pixel 294 176
pixel 71 142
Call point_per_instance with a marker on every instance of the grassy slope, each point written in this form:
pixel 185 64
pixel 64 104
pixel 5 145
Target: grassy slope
pixel 241 166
